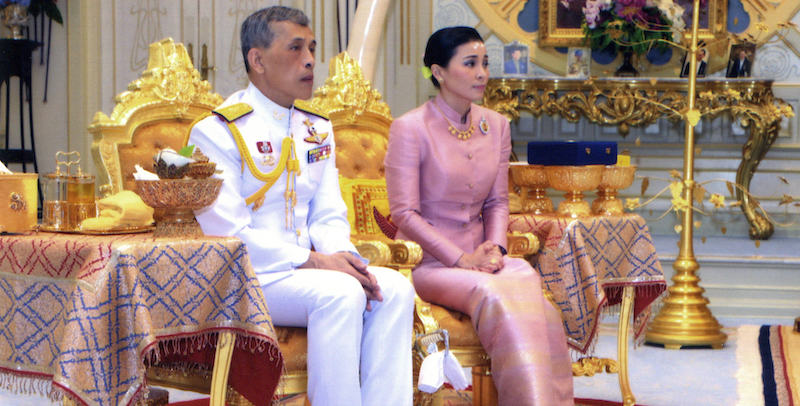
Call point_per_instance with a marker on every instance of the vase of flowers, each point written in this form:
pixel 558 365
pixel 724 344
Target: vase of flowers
pixel 632 27
pixel 15 16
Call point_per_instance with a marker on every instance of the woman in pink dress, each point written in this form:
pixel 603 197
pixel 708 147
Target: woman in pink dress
pixel 447 178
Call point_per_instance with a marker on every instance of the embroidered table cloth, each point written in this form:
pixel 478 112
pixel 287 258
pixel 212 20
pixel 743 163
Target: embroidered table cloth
pixel 81 315
pixel 586 263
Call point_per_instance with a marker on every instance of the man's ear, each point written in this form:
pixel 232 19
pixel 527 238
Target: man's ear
pixel 254 59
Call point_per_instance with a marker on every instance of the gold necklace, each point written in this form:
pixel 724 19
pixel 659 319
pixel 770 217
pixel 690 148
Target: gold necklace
pixel 462 135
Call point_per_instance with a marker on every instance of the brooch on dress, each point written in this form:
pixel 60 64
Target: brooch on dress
pixel 484 125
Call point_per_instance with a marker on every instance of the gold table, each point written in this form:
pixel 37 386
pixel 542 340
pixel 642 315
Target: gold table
pixel 81 316
pixel 627 102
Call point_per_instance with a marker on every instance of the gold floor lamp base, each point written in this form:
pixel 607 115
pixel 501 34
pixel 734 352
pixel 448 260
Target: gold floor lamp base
pixel 685 320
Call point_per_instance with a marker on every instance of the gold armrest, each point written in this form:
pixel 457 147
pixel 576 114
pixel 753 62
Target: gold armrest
pixel 522 245
pixel 376 252
pixel 399 254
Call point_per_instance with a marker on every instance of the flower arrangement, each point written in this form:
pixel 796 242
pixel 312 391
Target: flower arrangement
pixel 636 25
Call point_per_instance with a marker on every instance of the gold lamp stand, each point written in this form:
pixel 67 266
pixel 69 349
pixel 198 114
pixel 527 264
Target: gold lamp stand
pixel 685 320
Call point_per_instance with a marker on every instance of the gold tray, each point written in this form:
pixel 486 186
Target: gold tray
pixel 108 231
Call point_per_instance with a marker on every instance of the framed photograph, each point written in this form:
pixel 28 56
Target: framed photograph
pixel 578 62
pixel 702 62
pixel 515 59
pixel 560 21
pixel 740 60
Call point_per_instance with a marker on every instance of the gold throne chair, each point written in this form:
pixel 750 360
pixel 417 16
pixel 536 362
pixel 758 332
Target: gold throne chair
pixel 361 126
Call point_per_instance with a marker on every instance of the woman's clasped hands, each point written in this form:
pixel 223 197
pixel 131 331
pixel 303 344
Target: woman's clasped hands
pixel 486 258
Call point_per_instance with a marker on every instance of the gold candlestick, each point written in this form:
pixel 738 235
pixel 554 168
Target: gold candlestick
pixel 685 320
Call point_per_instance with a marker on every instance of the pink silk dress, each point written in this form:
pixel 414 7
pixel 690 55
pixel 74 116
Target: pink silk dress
pixel 449 196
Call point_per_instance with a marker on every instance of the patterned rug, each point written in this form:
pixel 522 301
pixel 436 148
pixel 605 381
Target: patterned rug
pixel 775 381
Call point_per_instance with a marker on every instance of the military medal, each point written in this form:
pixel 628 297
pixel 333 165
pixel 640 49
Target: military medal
pixel 484 125
pixel 314 136
pixel 265 148
pixel 319 154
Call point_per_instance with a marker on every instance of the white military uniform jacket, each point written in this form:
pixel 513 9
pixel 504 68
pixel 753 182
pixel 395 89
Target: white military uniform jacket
pixel 320 214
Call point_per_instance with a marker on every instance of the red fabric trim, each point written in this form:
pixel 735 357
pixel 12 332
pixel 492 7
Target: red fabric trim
pixel 593 402
pixel 251 372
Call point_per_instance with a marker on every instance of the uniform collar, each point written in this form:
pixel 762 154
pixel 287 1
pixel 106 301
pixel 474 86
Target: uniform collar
pixel 268 110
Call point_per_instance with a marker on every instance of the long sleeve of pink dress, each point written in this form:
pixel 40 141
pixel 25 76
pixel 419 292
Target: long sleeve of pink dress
pixel 450 195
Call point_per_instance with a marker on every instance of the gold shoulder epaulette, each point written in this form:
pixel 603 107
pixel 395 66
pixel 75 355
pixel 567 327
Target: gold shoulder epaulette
pixel 234 111
pixel 307 107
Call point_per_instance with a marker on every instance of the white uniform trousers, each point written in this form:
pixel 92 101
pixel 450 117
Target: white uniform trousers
pixel 346 342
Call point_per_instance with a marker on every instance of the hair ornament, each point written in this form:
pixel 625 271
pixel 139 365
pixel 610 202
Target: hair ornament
pixel 426 72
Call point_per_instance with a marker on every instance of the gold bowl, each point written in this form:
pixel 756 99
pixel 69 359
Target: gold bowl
pixel 574 180
pixel 615 177
pixel 178 198
pixel 534 178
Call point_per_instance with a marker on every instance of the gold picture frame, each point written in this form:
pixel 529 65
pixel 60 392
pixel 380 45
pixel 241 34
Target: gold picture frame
pixel 560 27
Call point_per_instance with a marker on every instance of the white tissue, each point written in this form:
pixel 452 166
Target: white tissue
pixel 454 372
pixel 431 373
pixel 4 170
pixel 142 174
pixel 438 368
pixel 171 157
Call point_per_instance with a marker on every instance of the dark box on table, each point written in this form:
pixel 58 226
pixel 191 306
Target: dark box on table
pixel 572 153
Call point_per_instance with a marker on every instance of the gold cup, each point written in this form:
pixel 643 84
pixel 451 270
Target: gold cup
pixel 534 178
pixel 615 178
pixel 574 180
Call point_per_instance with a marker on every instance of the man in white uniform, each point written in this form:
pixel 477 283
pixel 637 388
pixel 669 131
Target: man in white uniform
pixel 281 196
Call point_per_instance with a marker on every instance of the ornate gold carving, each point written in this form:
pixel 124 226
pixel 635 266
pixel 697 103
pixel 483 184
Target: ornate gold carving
pixel 641 102
pixel 522 245
pixel 169 89
pixel 589 366
pixel 406 253
pixel 18 202
pixel 170 77
pixel 377 252
pixel 347 95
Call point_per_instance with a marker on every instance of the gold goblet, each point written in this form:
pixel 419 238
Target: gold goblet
pixel 534 178
pixel 615 178
pixel 574 180
pixel 179 198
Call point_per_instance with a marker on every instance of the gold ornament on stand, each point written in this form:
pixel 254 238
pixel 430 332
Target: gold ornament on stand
pixel 534 178
pixel 574 180
pixel 615 178
pixel 178 198
pixel 685 320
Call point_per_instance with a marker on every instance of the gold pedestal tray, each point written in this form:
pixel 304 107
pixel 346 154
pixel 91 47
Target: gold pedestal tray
pixel 534 178
pixel 574 180
pixel 179 198
pixel 614 178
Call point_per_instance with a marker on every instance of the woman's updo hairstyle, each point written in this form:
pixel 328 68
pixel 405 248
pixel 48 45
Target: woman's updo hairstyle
pixel 443 43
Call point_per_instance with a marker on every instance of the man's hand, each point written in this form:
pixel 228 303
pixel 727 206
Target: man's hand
pixel 486 258
pixel 349 264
